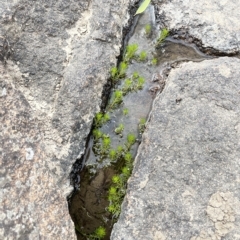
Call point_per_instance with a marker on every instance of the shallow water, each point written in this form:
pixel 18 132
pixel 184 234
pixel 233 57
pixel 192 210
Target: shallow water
pixel 87 205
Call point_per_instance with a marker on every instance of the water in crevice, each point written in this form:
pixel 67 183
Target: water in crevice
pixel 88 204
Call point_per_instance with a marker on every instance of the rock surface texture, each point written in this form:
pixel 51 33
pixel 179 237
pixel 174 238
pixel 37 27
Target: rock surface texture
pixel 50 91
pixel 215 23
pixel 185 184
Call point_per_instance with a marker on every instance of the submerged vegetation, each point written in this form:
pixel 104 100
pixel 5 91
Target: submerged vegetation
pixel 163 34
pixel 148 29
pixel 102 147
pixel 120 156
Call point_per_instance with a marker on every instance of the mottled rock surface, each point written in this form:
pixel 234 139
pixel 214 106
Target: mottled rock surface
pixel 185 183
pixel 49 92
pixel 215 23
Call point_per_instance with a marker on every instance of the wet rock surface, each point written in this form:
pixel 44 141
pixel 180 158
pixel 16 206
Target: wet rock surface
pixel 185 184
pixel 50 89
pixel 214 23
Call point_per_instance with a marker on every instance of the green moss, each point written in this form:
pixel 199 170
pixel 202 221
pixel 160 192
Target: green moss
pixel 126 172
pixel 154 61
pixel 122 69
pixel 117 98
pixel 117 73
pixel 164 33
pixel 120 150
pixel 119 129
pixel 140 83
pixel 143 56
pixel 98 234
pixel 148 29
pixel 116 179
pixel 131 139
pixel 127 86
pixel 97 134
pixel 112 190
pixel 141 125
pixel 101 119
pixel 135 75
pixel 114 73
pixel 130 52
pixel 125 111
pixel 112 154
pixel 128 157
pixel 106 142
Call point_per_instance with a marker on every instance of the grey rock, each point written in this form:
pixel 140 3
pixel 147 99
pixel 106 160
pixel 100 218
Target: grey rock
pixel 185 183
pixel 50 91
pixel 214 23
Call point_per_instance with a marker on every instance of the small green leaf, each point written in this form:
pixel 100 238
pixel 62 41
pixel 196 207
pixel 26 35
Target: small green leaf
pixel 143 6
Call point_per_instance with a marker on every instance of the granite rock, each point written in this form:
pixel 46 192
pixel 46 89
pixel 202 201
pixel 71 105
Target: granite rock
pixel 214 23
pixel 50 89
pixel 185 182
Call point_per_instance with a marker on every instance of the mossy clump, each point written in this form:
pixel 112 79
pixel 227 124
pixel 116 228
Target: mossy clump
pixel 118 188
pixel 97 134
pixel 100 119
pixel 142 56
pixel 142 125
pixel 118 73
pixel 112 155
pixel 114 73
pixel 98 234
pixel 164 33
pixel 131 139
pixel 130 52
pixel 119 129
pixel 134 83
pixel 122 69
pixel 125 111
pixel 117 98
pixel 148 29
pixel 154 61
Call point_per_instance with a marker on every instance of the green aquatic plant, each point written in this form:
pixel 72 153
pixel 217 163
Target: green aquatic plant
pixel 127 86
pixel 130 52
pixel 154 61
pixel 114 73
pixel 148 29
pixel 119 129
pixel 112 155
pixel 97 134
pixel 134 83
pixel 125 111
pixel 117 98
pixel 120 150
pixel 131 139
pixel 101 118
pixel 112 191
pixel 135 75
pixel 140 83
pixel 122 69
pixel 142 56
pixel 98 234
pixel 164 33
pixel 115 210
pixel 104 148
pixel 106 142
pixel 128 158
pixel 141 125
pixel 116 179
pixel 126 172
pixel 117 73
